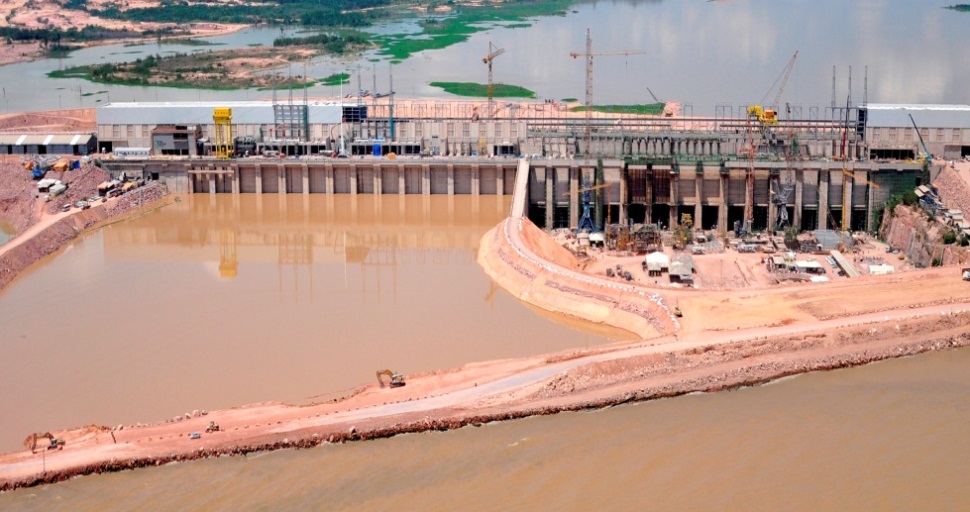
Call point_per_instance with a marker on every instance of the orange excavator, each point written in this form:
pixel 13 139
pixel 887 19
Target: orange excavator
pixel 396 380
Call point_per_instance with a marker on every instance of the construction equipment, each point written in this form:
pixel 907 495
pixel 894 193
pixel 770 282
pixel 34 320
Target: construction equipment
pixel 586 219
pixel 929 158
pixel 589 78
pixel 682 232
pixel 966 274
pixel 395 380
pixel 213 427
pixel 779 197
pixel 488 60
pixel 55 443
pixel 222 117
pixel 768 115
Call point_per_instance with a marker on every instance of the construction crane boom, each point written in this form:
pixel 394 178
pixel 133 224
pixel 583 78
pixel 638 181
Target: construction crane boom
pixel 784 81
pixel 929 158
pixel 488 60
pixel 589 54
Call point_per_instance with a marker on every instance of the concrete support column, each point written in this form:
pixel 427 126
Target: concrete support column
pixel 191 183
pixel 823 199
pixel 425 179
pixel 235 181
pixel 674 200
pixel 624 207
pixel 847 204
pixel 401 180
pixel 698 197
pixel 722 211
pixel 378 180
pixel 305 171
pixel 573 197
pixel 476 180
pixel 353 179
pixel 212 183
pixel 870 207
pixel 500 181
pixel 451 179
pixel 772 211
pixel 550 177
pixel 282 177
pixel 328 179
pixel 259 179
pixel 799 187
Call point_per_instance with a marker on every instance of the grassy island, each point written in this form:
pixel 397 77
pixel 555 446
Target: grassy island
pixel 645 109
pixel 481 90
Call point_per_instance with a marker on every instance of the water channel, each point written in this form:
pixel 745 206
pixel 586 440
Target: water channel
pixel 712 56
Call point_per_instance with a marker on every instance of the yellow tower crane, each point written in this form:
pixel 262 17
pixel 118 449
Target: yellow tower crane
pixel 222 117
pixel 589 54
pixel 491 86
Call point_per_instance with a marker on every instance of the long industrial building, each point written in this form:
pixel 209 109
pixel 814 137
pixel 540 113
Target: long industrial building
pixel 812 173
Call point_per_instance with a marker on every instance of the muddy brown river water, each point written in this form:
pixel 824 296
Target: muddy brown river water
pixel 215 302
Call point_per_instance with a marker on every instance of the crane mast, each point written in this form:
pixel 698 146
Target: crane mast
pixel 589 54
pixel 488 60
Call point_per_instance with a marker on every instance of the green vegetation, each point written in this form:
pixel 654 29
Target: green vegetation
pixel 289 86
pixel 959 7
pixel 345 13
pixel 205 70
pixel 949 237
pixel 334 44
pixel 647 109
pixel 481 90
pixel 438 33
pixel 188 42
pixel 889 207
pixel 569 100
pixel 336 79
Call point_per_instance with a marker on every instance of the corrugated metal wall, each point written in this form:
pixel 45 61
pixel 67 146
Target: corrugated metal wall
pixel 247 181
pixel 341 181
pixel 487 181
pixel 463 180
pixel 439 181
pixel 271 181
pixel 390 179
pixel 412 180
pixel 365 180
pixel 318 181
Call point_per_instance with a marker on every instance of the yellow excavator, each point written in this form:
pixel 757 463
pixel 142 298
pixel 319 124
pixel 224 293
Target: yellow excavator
pixel 396 380
pixel 31 441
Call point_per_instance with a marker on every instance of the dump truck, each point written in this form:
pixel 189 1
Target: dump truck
pixel 966 274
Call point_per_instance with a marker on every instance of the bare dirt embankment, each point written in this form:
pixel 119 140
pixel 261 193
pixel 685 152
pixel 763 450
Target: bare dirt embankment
pixel 41 228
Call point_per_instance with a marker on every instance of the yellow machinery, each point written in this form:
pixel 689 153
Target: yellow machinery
pixel 765 116
pixel 222 117
pixel 396 379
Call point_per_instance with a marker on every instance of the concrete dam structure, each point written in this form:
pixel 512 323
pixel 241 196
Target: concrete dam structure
pixel 648 190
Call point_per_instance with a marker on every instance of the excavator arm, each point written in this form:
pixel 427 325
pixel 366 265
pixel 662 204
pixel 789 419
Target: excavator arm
pixel 395 380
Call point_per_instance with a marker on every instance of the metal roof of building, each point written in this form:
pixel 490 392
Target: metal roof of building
pixel 200 112
pixel 884 115
pixel 65 139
